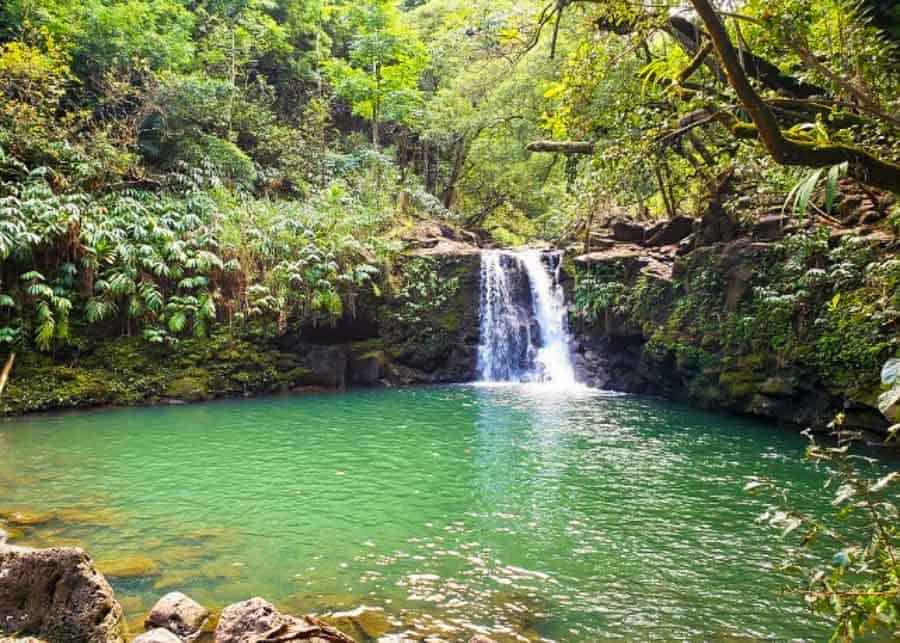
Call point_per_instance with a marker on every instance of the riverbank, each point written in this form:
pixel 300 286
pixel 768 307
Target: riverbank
pixel 756 316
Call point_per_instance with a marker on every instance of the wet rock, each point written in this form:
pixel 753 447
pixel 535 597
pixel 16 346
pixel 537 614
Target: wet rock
pixel 627 231
pixel 671 232
pixel 158 635
pixel 57 594
pixel 179 614
pixel 256 620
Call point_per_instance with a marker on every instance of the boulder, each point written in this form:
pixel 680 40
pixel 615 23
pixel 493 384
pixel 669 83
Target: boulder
pixel 158 635
pixel 671 232
pixel 57 594
pixel 256 620
pixel 771 228
pixel 179 614
pixel 716 225
pixel 627 231
pixel 685 245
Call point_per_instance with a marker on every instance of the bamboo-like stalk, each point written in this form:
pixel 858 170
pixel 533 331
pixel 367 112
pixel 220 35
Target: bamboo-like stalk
pixel 4 374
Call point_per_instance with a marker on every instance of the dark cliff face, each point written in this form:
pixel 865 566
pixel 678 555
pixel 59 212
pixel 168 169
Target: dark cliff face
pixel 429 328
pixel 788 329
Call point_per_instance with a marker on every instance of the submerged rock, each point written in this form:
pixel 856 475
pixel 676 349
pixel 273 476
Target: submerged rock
pixel 57 594
pixel 158 635
pixel 179 614
pixel 256 620
pixel 26 518
pixel 364 622
pixel 131 567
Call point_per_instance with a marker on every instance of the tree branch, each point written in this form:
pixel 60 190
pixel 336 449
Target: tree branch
pixel 785 149
pixel 561 147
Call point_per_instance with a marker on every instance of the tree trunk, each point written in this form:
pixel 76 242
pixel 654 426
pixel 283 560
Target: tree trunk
pixel 4 374
pixel 459 157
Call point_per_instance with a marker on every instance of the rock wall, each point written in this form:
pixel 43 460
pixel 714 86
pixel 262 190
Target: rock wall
pixel 787 324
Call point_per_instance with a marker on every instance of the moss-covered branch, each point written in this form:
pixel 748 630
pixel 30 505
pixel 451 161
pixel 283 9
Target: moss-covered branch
pixel 561 147
pixel 786 149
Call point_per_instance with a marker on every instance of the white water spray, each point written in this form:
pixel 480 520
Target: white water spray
pixel 524 334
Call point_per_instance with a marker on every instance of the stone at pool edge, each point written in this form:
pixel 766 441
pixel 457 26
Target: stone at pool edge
pixel 57 594
pixel 251 620
pixel 179 614
pixel 157 635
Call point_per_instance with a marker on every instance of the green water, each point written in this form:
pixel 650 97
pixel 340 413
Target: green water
pixel 573 517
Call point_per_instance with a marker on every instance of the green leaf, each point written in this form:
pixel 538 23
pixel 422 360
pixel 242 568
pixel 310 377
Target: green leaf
pixel 835 172
pixel 177 322
pixel 804 191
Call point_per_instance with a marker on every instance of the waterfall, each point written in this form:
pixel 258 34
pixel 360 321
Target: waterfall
pixel 524 334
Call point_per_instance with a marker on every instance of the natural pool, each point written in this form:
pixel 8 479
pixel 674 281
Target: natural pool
pixel 573 516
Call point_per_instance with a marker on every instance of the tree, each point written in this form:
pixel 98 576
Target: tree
pixel 381 75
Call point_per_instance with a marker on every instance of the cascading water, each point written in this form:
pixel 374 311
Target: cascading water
pixel 524 335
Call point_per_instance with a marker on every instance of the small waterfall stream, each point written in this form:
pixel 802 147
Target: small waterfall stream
pixel 524 334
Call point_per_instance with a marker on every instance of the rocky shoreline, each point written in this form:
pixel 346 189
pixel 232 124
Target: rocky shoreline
pixel 58 595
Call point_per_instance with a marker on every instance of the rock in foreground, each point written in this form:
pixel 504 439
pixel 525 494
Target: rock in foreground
pixel 56 594
pixel 178 614
pixel 158 635
pixel 256 620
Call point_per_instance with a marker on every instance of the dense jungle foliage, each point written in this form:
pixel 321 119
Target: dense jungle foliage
pixel 173 167
pixel 168 166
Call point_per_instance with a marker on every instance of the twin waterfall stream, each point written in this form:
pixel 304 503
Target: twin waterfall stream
pixel 524 333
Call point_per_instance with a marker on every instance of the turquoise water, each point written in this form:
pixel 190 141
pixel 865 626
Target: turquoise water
pixel 524 512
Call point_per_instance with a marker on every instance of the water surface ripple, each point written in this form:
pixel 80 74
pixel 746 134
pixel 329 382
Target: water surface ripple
pixel 528 513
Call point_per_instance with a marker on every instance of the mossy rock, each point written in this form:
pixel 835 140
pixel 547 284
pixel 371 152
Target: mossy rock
pixel 739 384
pixel 193 386
pixel 23 518
pixel 778 385
pixel 131 567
